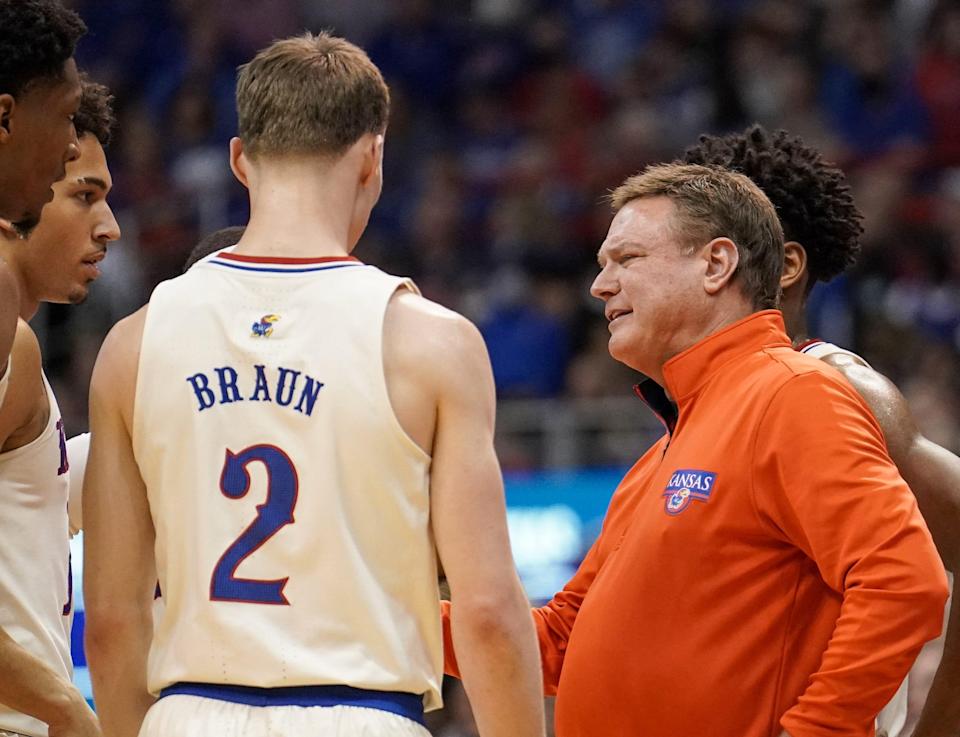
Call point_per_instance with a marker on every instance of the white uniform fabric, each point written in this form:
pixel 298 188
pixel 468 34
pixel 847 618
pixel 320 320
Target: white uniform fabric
pixel 78 448
pixel 35 584
pixel 193 716
pixel 891 720
pixel 293 542
pixel 822 349
pixel 5 380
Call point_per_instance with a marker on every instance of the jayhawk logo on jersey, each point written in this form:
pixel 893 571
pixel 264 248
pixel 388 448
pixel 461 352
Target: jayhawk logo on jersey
pixel 685 485
pixel 264 327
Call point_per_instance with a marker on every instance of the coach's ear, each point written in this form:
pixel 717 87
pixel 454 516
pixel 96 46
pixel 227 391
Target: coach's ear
pixel 239 161
pixel 721 257
pixel 794 265
pixel 7 230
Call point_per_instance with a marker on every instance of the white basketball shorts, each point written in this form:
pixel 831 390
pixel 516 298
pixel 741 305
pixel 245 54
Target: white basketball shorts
pixel 182 715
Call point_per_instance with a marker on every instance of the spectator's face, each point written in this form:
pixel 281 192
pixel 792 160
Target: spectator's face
pixel 37 139
pixel 652 289
pixel 62 256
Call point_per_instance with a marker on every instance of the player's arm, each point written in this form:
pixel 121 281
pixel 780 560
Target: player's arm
pixel 491 623
pixel 933 475
pixel 119 569
pixel 822 481
pixel 27 684
pixel 553 622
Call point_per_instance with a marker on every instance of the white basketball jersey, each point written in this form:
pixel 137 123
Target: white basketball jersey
pixel 4 381
pixel 293 538
pixel 822 349
pixel 891 720
pixel 36 597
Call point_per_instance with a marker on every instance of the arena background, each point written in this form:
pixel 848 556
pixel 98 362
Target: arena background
pixel 511 119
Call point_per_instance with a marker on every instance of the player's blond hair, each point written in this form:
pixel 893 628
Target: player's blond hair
pixel 310 94
pixel 711 203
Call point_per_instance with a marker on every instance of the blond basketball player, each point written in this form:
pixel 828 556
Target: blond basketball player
pixel 289 439
pixel 55 264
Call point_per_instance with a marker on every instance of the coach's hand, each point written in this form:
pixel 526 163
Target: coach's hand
pixel 78 721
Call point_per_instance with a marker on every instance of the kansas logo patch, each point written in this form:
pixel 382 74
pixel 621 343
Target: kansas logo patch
pixel 685 485
pixel 263 328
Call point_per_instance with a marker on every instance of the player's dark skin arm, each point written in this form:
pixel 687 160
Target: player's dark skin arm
pixel 933 475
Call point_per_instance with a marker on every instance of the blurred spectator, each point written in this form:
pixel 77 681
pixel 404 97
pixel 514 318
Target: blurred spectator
pixel 938 79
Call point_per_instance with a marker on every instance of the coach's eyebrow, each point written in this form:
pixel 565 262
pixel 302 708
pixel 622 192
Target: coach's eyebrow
pixel 95 181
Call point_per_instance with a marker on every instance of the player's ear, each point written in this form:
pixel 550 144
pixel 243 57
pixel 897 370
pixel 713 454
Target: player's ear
pixel 722 257
pixel 794 264
pixel 6 112
pixel 239 163
pixel 372 159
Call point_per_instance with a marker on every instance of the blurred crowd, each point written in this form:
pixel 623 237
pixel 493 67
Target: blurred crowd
pixel 512 119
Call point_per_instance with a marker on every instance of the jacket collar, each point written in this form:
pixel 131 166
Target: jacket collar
pixel 689 370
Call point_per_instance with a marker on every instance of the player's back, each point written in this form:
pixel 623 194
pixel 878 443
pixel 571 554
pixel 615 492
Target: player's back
pixel 291 509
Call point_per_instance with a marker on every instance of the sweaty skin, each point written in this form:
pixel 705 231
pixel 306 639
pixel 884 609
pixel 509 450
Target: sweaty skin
pixel 933 474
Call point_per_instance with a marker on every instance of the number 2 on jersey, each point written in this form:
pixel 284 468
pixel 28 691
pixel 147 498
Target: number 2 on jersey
pixel 275 512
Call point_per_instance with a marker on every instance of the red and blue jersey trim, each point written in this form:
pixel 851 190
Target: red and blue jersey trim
pixel 283 264
pixel 809 343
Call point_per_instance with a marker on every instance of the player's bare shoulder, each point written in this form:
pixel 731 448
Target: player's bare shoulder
pixel 25 410
pixel 430 355
pixel 882 397
pixel 115 372
pixel 433 339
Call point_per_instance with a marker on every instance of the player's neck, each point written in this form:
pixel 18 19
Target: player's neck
pixel 797 327
pixel 296 215
pixel 28 303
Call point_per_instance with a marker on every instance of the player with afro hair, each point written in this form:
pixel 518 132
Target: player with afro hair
pixel 822 228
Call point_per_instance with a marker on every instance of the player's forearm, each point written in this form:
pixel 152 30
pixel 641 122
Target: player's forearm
pixel 117 655
pixel 933 475
pixel 551 639
pixel 30 686
pixel 500 666
pixel 941 712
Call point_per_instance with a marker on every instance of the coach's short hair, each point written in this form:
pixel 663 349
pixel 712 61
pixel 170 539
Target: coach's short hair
pixel 36 38
pixel 311 94
pixel 95 114
pixel 711 203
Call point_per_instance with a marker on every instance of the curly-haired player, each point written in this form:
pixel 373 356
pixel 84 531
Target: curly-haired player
pixel 55 264
pixel 39 95
pixel 822 228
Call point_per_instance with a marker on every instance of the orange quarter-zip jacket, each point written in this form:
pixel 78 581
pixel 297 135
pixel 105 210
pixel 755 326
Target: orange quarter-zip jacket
pixel 762 567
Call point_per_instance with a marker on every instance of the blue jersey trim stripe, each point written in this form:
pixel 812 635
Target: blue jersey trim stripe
pixel 403 704
pixel 283 270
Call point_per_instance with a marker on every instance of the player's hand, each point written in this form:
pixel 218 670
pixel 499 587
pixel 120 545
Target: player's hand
pixel 77 721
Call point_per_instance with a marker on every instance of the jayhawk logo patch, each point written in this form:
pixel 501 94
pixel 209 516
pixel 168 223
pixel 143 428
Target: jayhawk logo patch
pixel 264 327
pixel 687 484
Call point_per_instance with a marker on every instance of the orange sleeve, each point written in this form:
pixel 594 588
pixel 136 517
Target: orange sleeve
pixel 823 481
pixel 554 620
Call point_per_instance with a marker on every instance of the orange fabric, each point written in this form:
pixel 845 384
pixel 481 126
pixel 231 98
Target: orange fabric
pixel 793 591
